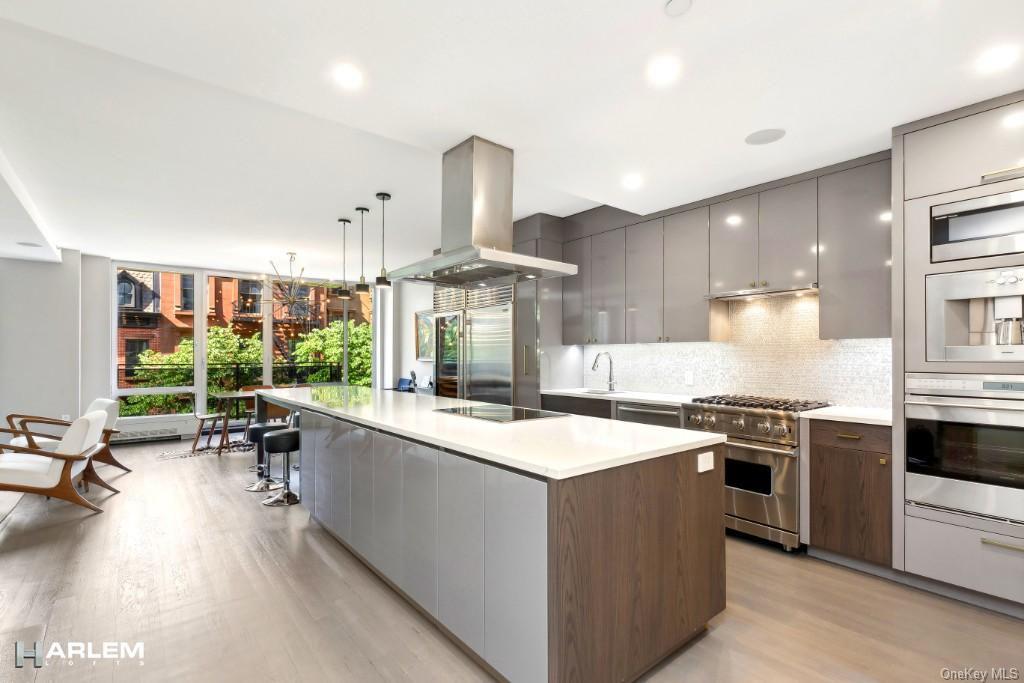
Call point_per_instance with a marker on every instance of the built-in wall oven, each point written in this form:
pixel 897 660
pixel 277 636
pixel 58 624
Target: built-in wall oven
pixel 965 444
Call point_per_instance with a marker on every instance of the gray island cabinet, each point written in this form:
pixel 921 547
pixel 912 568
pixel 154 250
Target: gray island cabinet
pixel 539 577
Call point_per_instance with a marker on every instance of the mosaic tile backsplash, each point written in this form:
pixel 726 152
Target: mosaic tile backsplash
pixel 774 351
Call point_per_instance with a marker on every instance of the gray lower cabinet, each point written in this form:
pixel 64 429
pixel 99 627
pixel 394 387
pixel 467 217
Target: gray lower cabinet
pixel 307 461
pixel 645 249
pixel 734 244
pixel 855 252
pixel 336 445
pixel 360 442
pixel 460 548
pixel 787 236
pixel 515 575
pixel 686 276
pixel 576 293
pixel 386 505
pixel 323 473
pixel 608 287
pixel 418 577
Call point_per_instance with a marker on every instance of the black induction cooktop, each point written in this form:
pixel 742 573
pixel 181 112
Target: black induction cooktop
pixel 499 413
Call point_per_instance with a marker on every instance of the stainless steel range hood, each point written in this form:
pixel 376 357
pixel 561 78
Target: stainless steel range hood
pixel 476 224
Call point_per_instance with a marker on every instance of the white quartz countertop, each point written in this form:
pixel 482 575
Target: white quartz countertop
pixel 556 448
pixel 623 396
pixel 871 416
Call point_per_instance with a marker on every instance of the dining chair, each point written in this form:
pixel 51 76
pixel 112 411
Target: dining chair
pixel 54 473
pixel 48 442
pixel 203 418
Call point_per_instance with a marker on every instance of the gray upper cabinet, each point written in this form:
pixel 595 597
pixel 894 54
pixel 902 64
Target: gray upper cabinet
pixel 576 293
pixel 787 236
pixel 608 287
pixel 686 276
pixel 854 253
pixel 419 524
pixel 734 245
pixel 965 152
pixel 644 282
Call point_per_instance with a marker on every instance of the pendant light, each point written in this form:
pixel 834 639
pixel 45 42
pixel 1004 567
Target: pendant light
pixel 382 280
pixel 363 286
pixel 344 294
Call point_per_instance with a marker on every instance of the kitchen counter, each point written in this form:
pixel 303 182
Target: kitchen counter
pixel 544 547
pixel 623 396
pixel 871 416
pixel 555 448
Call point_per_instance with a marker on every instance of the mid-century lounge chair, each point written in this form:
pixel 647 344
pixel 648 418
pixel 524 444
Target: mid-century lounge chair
pixel 55 473
pixel 47 442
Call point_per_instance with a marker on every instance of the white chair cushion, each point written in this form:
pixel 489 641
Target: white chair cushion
pixel 109 407
pixel 41 442
pixel 25 469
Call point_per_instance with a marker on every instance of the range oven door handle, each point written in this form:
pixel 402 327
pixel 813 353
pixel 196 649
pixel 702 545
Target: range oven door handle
pixel 971 406
pixel 763 449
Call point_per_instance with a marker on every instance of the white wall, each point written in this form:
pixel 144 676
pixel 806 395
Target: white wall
pixel 410 297
pixel 40 343
pixel 97 302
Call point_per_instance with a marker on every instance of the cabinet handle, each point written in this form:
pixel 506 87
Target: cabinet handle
pixel 526 358
pixel 668 338
pixel 1003 174
pixel 881 461
pixel 1000 544
pixel 854 437
pixel 659 338
pixel 753 284
pixel 764 283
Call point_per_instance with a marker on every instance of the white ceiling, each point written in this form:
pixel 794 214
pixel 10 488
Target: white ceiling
pixel 216 126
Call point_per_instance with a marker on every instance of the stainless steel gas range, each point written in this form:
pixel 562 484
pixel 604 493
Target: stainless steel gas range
pixel 762 460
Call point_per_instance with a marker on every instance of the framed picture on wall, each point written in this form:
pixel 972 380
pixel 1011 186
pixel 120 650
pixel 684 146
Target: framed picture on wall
pixel 425 336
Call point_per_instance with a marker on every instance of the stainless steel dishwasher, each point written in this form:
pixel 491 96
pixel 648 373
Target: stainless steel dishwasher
pixel 651 414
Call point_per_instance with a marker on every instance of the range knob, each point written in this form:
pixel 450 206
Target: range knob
pixel 782 430
pixel 739 424
pixel 709 420
pixel 696 419
pixel 764 427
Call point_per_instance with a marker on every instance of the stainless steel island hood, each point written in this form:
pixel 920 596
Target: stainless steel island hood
pixel 476 224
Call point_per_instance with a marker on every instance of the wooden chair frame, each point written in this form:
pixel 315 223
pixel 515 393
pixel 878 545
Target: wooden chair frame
pixel 65 486
pixel 21 424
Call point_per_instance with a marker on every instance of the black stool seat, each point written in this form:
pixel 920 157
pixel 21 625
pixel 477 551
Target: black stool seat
pixel 258 429
pixel 281 441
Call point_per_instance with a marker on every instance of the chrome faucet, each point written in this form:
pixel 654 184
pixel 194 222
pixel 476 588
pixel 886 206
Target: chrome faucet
pixel 611 369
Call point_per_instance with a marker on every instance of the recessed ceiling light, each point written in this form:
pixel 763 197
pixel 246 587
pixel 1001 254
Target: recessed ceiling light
pixel 664 70
pixel 632 181
pixel 734 219
pixel 677 8
pixel 765 136
pixel 885 216
pixel 1014 120
pixel 996 59
pixel 347 76
pixel 31 245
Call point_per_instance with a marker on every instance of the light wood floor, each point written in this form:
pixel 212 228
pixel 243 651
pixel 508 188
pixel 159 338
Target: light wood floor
pixel 221 588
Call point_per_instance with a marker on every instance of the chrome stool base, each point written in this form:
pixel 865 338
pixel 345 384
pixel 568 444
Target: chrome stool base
pixel 264 485
pixel 282 499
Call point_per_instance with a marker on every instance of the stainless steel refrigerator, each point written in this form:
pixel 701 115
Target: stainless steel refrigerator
pixel 474 348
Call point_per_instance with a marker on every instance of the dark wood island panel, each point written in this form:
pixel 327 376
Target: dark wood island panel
pixel 636 565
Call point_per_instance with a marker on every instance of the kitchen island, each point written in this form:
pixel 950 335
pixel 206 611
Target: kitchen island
pixel 558 549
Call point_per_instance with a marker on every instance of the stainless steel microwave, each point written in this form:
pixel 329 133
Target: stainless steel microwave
pixel 979 227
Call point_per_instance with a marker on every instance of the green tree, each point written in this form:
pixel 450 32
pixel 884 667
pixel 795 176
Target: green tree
pixel 326 345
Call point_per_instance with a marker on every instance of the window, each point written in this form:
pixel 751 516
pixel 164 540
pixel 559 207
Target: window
pixel 250 297
pixel 132 349
pixel 125 294
pixel 187 292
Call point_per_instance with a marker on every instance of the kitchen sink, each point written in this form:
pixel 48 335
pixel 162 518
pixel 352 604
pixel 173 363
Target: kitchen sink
pixel 599 391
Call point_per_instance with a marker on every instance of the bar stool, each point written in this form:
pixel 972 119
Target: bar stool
pixel 285 441
pixel 264 482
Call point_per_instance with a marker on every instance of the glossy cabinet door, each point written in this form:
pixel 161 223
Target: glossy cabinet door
pixel 527 382
pixel 644 282
pixel 418 577
pixel 360 442
pixel 307 460
pixel 787 236
pixel 965 152
pixel 386 546
pixel 336 445
pixel 608 287
pixel 734 245
pixel 323 497
pixel 686 276
pixel 854 253
pixel 460 548
pixel 516 576
pixel 576 294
